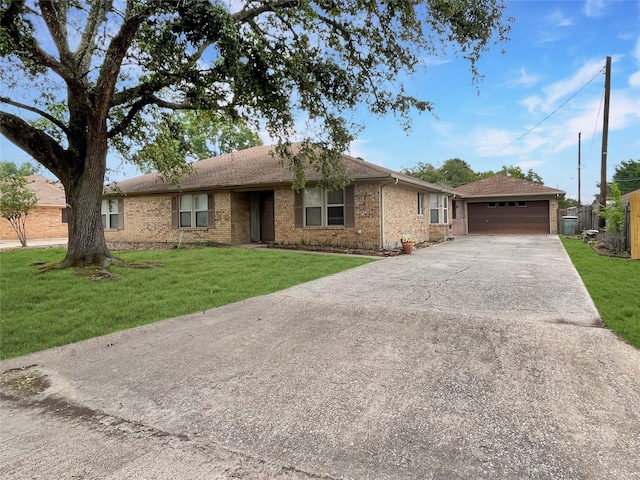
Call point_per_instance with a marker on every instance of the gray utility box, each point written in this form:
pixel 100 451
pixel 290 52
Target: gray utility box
pixel 569 225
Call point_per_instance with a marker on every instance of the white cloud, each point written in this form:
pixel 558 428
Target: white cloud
pixel 433 61
pixel 531 102
pixel 594 8
pixel 493 142
pixel 557 19
pixel 529 164
pixel 559 133
pixel 625 109
pixel 634 78
pixel 561 90
pixel 523 79
pixel 361 148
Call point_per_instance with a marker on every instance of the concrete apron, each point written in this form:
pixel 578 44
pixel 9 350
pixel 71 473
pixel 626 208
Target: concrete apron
pixel 478 358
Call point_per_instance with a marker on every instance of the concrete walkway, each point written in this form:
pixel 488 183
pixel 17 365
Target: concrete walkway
pixel 36 242
pixel 483 357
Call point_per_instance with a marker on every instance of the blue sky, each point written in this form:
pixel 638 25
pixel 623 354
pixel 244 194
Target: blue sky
pixel 553 67
pixel 556 48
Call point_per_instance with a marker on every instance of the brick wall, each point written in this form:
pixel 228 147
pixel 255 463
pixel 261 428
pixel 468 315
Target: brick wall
pixel 240 208
pixel 553 216
pixel 42 222
pixel 148 219
pixel 401 217
pixel 365 233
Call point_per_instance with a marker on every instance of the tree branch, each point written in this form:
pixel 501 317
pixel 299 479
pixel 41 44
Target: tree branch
pixel 52 14
pixel 87 42
pixel 43 114
pixel 44 149
pixel 139 105
pixel 245 15
pixel 165 80
pixel 113 59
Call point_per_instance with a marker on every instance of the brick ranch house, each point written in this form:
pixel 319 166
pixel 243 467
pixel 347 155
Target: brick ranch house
pixel 505 205
pixel 246 197
pixel 49 218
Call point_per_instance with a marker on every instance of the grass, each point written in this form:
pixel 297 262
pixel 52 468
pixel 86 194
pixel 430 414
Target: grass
pixel 56 308
pixel 614 286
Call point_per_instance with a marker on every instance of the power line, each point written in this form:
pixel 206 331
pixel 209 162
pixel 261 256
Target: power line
pixel 595 126
pixel 547 117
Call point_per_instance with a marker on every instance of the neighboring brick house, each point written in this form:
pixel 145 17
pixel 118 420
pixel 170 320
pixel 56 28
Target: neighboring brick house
pixel 247 197
pixel 48 219
pixel 505 205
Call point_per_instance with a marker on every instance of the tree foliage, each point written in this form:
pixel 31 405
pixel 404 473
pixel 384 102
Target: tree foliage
pixel 566 202
pixel 8 169
pixel 613 211
pixel 627 176
pixel 191 135
pixel 455 172
pixel 16 200
pixel 105 71
pixel 517 172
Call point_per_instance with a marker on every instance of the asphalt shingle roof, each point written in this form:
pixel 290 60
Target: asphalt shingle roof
pixel 251 167
pixel 50 193
pixel 503 185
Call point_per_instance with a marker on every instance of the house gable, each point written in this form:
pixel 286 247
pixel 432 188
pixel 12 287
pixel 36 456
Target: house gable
pixel 505 205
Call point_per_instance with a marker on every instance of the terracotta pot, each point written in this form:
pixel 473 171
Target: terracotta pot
pixel 407 247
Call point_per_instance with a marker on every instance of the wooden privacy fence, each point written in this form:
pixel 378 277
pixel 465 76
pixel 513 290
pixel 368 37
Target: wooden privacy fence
pixel 634 225
pixel 587 217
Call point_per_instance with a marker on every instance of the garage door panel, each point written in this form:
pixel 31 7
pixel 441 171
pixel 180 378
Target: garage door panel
pixel 532 219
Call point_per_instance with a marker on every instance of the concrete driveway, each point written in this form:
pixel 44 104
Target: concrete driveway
pixel 483 357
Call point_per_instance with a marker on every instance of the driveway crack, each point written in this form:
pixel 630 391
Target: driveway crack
pixel 240 463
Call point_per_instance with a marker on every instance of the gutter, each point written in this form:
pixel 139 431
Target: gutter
pixel 504 195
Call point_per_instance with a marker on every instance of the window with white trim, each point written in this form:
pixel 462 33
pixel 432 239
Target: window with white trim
pixel 438 208
pixel 323 208
pixel 434 211
pixel 109 214
pixel 194 210
pixel 420 203
pixel 445 209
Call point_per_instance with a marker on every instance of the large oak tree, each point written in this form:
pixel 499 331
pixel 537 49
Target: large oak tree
pixel 97 72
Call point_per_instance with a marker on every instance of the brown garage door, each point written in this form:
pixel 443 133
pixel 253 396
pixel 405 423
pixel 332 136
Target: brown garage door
pixel 523 217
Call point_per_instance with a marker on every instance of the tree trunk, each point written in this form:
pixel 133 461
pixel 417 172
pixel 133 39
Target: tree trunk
pixel 87 245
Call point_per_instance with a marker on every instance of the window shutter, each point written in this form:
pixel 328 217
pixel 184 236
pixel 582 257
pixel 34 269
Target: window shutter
pixel 174 211
pixel 211 223
pixel 299 209
pixel 121 214
pixel 349 206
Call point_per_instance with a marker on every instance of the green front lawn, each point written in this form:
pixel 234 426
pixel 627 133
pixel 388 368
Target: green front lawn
pixel 56 308
pixel 614 286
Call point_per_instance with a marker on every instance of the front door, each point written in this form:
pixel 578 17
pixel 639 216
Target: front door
pixel 458 225
pixel 267 217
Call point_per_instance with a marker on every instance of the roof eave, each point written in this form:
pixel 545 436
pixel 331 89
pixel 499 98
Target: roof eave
pixel 420 183
pixel 519 194
pixel 258 186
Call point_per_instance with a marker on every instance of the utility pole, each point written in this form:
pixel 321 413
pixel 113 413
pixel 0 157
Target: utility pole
pixel 579 202
pixel 605 138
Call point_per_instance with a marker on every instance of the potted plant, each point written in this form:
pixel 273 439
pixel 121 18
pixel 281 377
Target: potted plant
pixel 408 243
